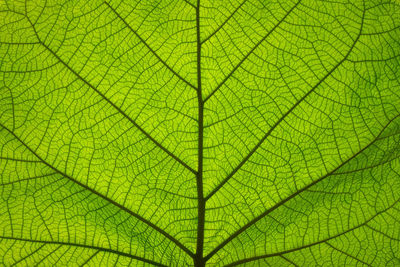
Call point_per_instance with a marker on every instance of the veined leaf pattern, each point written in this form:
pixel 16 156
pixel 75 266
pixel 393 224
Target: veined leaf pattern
pixel 200 133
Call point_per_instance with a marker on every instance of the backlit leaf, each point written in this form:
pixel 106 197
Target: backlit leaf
pixel 182 132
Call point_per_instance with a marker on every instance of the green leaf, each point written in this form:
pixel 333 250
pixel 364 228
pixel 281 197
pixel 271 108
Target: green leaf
pixel 263 133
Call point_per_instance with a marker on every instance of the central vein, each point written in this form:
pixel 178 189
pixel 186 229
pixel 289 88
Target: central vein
pixel 198 259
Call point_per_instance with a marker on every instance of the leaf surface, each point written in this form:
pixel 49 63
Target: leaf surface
pixel 261 133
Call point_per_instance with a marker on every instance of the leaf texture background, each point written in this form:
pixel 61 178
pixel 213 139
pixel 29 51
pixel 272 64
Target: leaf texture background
pixel 181 132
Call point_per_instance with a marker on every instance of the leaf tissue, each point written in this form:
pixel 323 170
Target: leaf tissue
pixel 200 133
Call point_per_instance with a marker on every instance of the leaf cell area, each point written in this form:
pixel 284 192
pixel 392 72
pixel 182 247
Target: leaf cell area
pixel 200 133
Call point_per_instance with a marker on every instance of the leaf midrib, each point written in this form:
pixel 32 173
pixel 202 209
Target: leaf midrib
pixel 198 259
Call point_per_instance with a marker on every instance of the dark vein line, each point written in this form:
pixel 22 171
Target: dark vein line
pixel 382 233
pixel 28 255
pixel 245 159
pixel 148 47
pixel 367 167
pixel 116 204
pixel 90 258
pixel 190 4
pixel 201 204
pixel 222 25
pixel 62 256
pixel 12 43
pixel 28 179
pixel 159 145
pixel 288 260
pixel 347 254
pixel 250 52
pixel 312 244
pixel 84 246
pixel 47 255
pixel 283 201
pixel 20 160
